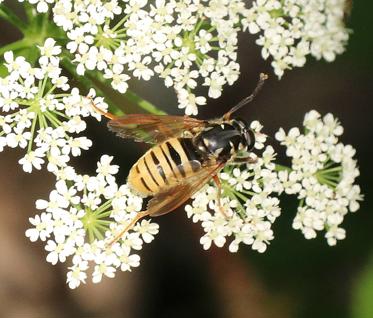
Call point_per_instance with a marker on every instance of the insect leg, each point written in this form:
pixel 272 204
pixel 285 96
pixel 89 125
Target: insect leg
pixel 241 160
pixel 130 225
pixel 100 111
pixel 218 184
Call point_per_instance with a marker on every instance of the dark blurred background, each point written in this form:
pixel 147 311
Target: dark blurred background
pixel 293 278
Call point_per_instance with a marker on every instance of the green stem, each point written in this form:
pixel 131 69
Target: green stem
pixel 24 102
pixel 235 195
pixel 42 87
pixel 103 207
pixel 41 122
pixel 103 222
pixel 44 120
pixel 129 95
pixel 301 202
pixel 61 114
pixel 211 29
pixel 30 11
pixel 248 192
pixel 61 95
pixel 328 163
pixel 54 121
pixel 32 133
pixel 98 233
pixel 8 15
pixel 90 235
pixel 333 178
pixel 84 80
pixel 241 209
pixel 14 46
pixel 327 182
pixel 101 229
pixel 198 26
pixel 120 23
pixel 144 104
pixel 105 214
pixel 50 91
pixel 240 196
pixel 135 99
pixel 339 168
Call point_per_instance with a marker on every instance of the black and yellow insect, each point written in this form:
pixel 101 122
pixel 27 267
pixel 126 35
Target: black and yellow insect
pixel 187 153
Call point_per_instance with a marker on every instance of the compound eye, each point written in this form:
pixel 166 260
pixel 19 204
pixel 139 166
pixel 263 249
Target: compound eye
pixel 250 139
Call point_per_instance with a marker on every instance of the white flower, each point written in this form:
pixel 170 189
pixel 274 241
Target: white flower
pixel 290 30
pixel 215 83
pixel 323 175
pixel 42 5
pixel 32 159
pixel 16 67
pixel 77 274
pixel 147 230
pixel 82 217
pixel 102 269
pixel 104 167
pixel 43 227
pixel 176 40
pixel 189 101
pixel 48 50
pixel 58 251
pixel 247 202
pixel 126 260
pixel 39 118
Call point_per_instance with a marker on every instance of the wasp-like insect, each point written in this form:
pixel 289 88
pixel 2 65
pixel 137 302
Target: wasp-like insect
pixel 187 153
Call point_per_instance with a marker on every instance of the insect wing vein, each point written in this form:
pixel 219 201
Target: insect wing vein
pixel 174 196
pixel 154 128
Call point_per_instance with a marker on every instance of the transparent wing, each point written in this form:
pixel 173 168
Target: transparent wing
pixel 168 200
pixel 154 128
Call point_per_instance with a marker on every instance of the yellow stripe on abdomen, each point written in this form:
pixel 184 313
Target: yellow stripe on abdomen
pixel 160 167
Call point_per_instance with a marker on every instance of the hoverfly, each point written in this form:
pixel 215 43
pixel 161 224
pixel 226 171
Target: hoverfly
pixel 187 153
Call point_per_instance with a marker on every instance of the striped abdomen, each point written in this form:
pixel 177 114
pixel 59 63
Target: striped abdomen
pixel 164 165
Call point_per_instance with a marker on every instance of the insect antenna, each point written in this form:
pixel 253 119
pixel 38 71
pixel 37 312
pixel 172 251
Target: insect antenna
pixel 100 111
pixel 248 99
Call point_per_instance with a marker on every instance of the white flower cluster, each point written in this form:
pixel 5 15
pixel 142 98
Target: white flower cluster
pixel 39 114
pixel 292 29
pixel 190 43
pixel 323 175
pixel 248 207
pixel 184 42
pixel 82 216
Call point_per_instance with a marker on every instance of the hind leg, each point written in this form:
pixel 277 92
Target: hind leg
pixel 130 225
pixel 218 184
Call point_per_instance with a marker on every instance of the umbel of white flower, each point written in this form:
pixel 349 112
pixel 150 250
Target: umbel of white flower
pixel 292 29
pixel 83 214
pixel 38 113
pixel 322 175
pixel 189 43
pixel 248 199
